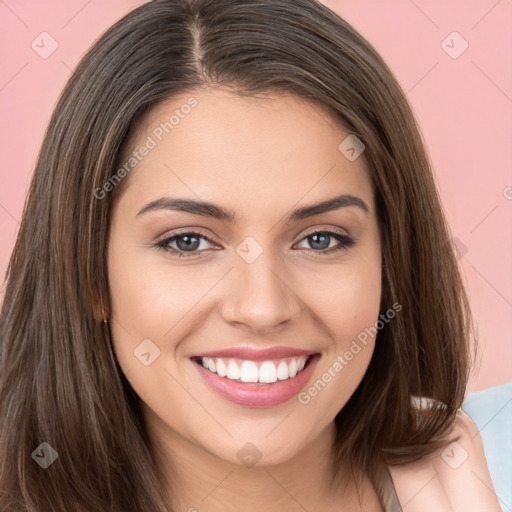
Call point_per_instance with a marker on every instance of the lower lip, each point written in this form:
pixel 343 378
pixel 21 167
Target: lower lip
pixel 258 395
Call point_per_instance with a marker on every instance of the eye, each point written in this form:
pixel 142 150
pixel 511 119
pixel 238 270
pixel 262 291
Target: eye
pixel 188 243
pixel 321 240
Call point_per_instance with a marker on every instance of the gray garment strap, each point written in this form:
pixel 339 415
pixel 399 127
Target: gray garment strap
pixel 391 502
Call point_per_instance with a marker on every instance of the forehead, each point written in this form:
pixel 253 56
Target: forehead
pixel 215 145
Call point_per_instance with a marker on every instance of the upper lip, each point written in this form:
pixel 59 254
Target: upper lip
pixel 257 354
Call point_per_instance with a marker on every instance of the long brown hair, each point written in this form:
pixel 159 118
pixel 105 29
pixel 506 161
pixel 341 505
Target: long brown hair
pixel 60 382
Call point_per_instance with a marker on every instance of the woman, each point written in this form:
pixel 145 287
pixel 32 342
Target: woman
pixel 233 286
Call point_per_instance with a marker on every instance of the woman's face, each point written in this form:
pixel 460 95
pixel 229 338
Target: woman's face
pixel 238 308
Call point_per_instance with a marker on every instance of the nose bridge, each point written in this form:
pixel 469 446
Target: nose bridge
pixel 258 294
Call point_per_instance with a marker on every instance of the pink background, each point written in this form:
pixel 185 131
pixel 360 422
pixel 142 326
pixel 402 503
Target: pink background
pixel 463 104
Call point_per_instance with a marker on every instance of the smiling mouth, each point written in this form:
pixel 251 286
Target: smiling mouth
pixel 258 382
pixel 255 372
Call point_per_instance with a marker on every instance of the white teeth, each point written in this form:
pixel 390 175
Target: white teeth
pixel 268 372
pixel 221 368
pixel 248 371
pixel 233 371
pixel 282 371
pixel 292 368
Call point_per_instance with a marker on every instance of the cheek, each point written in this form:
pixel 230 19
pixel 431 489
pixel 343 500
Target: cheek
pixel 149 298
pixel 349 307
pixel 360 306
pixel 149 307
pixel 357 321
pixel 154 305
pixel 346 299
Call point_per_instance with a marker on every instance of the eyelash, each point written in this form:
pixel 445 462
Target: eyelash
pixel 345 242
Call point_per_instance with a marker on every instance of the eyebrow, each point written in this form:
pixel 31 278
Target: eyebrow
pixel 208 209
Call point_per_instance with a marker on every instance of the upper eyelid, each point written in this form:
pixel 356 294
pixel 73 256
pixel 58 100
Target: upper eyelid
pixel 166 237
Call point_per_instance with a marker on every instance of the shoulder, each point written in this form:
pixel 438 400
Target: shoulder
pixel 454 478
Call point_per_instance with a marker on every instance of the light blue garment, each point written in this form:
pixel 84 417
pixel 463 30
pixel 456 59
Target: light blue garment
pixel 491 410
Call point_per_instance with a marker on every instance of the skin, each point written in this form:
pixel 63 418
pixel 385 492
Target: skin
pixel 260 158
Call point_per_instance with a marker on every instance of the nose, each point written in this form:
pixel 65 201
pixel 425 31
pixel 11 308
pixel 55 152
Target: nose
pixel 257 297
